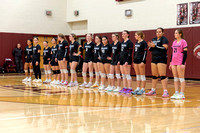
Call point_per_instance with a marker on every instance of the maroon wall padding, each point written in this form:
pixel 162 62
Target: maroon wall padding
pixel 192 36
pixel 8 41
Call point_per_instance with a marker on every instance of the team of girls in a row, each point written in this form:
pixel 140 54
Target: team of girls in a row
pixel 110 61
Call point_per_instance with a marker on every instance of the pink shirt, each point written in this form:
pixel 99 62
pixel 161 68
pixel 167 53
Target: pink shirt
pixel 177 57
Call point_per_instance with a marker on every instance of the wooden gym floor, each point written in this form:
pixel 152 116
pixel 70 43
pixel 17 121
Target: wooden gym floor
pixel 33 108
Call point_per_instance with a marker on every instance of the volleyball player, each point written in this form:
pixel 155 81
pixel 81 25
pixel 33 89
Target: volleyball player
pixel 126 61
pixel 62 58
pixel 47 61
pixel 54 64
pixel 28 52
pixel 105 59
pixel 178 63
pixel 158 46
pixel 75 52
pixel 140 53
pixel 36 60
pixel 115 67
pixel 96 62
pixel 88 61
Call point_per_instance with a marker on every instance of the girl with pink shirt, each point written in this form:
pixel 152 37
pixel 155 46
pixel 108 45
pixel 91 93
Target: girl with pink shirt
pixel 178 63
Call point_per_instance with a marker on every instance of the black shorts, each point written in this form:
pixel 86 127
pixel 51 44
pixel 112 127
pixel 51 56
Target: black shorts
pixel 73 59
pixel 106 61
pixel 159 60
pixel 54 63
pixel 45 61
pixel 138 61
pixel 87 59
pixel 96 60
pixel 122 62
pixel 28 60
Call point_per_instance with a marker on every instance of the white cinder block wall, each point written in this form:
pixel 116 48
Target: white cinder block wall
pixel 108 15
pixel 28 16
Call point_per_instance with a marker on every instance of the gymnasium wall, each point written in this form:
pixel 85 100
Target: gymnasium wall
pixel 29 16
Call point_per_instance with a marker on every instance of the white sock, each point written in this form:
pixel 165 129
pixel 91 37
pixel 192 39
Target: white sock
pixel 153 89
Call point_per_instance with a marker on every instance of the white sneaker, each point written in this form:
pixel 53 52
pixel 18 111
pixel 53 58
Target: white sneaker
pixel 111 89
pixel 83 85
pixel 175 96
pixel 29 79
pixel 53 82
pixel 25 79
pixel 71 84
pixel 35 80
pixel 117 89
pixel 45 81
pixel 181 96
pixel 75 83
pixel 88 85
pixel 102 87
pixel 49 81
pixel 39 81
pixel 57 82
pixel 108 88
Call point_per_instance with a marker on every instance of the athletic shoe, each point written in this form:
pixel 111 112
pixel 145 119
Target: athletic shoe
pixel 117 89
pixel 102 87
pixel 49 81
pixel 135 92
pixel 75 83
pixel 141 92
pixel 53 82
pixel 35 80
pixel 107 88
pixel 25 79
pixel 29 79
pixel 128 90
pixel 83 85
pixel 95 85
pixel 45 82
pixel 71 84
pixel 123 90
pixel 39 81
pixel 57 82
pixel 111 89
pixel 61 82
pixel 151 93
pixel 165 94
pixel 65 83
pixel 180 96
pixel 175 96
pixel 88 85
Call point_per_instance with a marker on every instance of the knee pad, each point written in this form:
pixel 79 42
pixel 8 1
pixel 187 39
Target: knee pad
pixel 108 75
pixel 54 72
pixel 128 77
pixel 118 76
pixel 163 77
pixel 103 75
pixel 112 76
pixel 123 76
pixel 181 80
pixel 61 71
pixel 143 78
pixel 176 79
pixel 25 71
pixel 49 71
pixel 45 71
pixel 138 77
pixel 154 77
pixel 65 71
pixel 91 74
pixel 72 71
pixel 31 70
pixel 58 71
pixel 84 74
pixel 97 73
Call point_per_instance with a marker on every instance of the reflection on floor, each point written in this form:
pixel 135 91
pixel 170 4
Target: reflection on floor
pixel 45 108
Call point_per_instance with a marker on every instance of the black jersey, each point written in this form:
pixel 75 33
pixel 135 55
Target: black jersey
pixel 54 51
pixel 63 49
pixel 28 52
pixel 126 51
pixel 36 54
pixel 46 53
pixel 105 52
pixel 140 51
pixel 97 51
pixel 73 47
pixel 89 51
pixel 159 51
pixel 116 49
